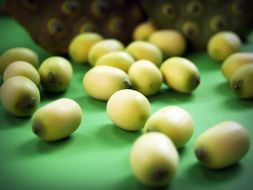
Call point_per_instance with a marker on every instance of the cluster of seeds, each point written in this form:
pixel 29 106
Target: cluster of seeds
pixel 24 79
pixel 236 66
pixel 141 65
pixel 124 77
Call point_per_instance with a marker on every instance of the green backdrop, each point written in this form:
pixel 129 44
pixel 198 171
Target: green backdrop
pixel 96 156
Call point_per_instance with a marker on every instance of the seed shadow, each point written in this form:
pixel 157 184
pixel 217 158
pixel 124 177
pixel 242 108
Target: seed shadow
pixel 115 137
pixel 223 88
pixel 171 96
pixel 204 62
pixel 236 103
pixel 47 147
pixel 130 182
pixel 1 80
pixel 91 104
pixel 77 66
pixel 36 146
pixel 231 101
pixel 182 151
pixel 200 174
pixel 46 95
pixel 8 120
pixel 79 70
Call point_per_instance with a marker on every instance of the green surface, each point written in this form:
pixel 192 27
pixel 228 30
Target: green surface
pixel 96 156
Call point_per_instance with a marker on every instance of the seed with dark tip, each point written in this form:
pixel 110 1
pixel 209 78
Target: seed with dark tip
pixel 237 85
pixel 51 77
pixel 26 104
pixel 201 155
pixel 36 128
pixel 159 174
pixel 196 80
pixel 30 103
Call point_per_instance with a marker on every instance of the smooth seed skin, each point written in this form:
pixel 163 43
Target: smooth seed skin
pixel 234 62
pixel 22 68
pixel 222 145
pixel 55 74
pixel 103 47
pixel 173 121
pixel 81 44
pixel 118 59
pixel 171 42
pixel 57 120
pixel 128 109
pixel 143 31
pixel 241 81
pixel 145 77
pixel 223 44
pixel 180 74
pixel 101 82
pixel 18 54
pixel 154 159
pixel 19 96
pixel 145 50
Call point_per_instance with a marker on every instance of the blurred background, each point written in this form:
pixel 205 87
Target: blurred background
pixel 52 24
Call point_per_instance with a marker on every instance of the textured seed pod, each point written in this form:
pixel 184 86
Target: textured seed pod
pixel 199 20
pixel 52 24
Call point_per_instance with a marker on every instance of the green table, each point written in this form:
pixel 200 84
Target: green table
pixel 96 156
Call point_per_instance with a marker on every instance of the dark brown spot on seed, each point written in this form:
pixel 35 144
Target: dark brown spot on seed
pixel 30 103
pixel 201 155
pixel 160 174
pixel 237 85
pixel 37 129
pixel 196 81
pixel 51 78
pixel 26 104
